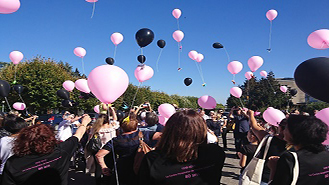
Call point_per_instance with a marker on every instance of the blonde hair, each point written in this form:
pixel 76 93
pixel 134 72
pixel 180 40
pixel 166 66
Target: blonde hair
pixel 101 120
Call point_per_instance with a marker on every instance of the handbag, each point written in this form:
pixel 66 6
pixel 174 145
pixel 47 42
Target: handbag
pixel 143 149
pixel 94 144
pixel 252 174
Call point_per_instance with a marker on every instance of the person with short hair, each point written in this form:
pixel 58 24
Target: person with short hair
pixel 65 127
pixel 306 134
pixel 125 146
pixel 152 121
pixel 182 155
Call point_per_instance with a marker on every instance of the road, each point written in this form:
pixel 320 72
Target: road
pixel 230 175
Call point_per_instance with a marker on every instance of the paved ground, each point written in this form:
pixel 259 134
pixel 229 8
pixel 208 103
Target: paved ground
pixel 230 174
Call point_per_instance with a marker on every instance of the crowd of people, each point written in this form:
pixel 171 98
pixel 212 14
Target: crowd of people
pixel 190 149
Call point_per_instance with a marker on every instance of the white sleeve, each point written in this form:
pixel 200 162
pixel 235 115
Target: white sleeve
pixel 211 138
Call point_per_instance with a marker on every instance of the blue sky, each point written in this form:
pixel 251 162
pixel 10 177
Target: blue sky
pixel 53 28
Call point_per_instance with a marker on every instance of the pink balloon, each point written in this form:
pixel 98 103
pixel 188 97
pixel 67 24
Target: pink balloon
pixel 116 38
pixel 284 88
pixel 166 110
pixel 177 13
pixel 16 57
pixel 248 75
pixel 143 73
pixel 91 1
pixel 19 106
pixel 263 74
pixel 193 55
pixel 273 116
pixel 80 52
pixel 255 63
pixel 200 57
pixel 96 109
pixel 108 82
pixel 68 85
pixel 236 92
pixel 319 39
pixel 234 67
pixel 9 6
pixel 207 102
pixel 257 113
pixel 178 35
pixel 271 14
pixel 82 85
pixel 323 115
pixel 163 120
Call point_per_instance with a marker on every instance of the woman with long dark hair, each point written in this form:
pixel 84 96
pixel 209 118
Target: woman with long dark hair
pixel 39 158
pixel 306 134
pixel 182 155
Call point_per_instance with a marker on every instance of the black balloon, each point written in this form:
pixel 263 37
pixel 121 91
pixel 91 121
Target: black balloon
pixel 144 37
pixel 4 88
pixel 187 81
pixel 141 59
pixel 109 60
pixel 120 114
pixel 161 43
pixel 293 92
pixel 69 103
pixel 18 88
pixel 312 77
pixel 64 94
pixel 217 45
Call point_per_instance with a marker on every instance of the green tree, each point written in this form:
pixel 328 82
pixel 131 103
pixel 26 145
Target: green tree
pixel 42 78
pixel 260 94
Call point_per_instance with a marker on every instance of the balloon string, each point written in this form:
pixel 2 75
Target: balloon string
pixel 141 51
pixel 94 6
pixel 323 43
pixel 178 24
pixel 8 103
pixel 233 78
pixel 15 72
pixel 157 64
pixel 115 52
pixel 241 103
pixel 201 72
pixel 228 56
pixel 270 38
pixel 83 66
pixel 21 98
pixel 132 104
pixel 178 56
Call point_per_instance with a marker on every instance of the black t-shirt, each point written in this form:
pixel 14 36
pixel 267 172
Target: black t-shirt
pixel 248 150
pixel 313 168
pixel 125 146
pixel 156 169
pixel 50 169
pixel 214 126
pixel 277 147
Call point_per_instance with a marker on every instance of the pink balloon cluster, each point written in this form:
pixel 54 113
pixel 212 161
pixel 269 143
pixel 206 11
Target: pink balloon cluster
pixel 271 14
pixel 68 85
pixel 284 88
pixel 80 52
pixel 116 38
pixel 255 63
pixel 248 75
pixel 319 39
pixel 194 55
pixel 234 67
pixel 108 82
pixel 273 116
pixel 16 57
pixel 323 115
pixel 82 85
pixel 143 73
pixel 19 106
pixel 236 92
pixel 207 102
pixel 9 6
pixel 178 35
pixel 177 13
pixel 166 110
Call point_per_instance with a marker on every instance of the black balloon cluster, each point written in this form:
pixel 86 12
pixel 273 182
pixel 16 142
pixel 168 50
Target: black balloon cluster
pixel 64 94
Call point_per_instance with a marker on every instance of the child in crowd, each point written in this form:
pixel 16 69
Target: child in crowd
pixel 248 151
